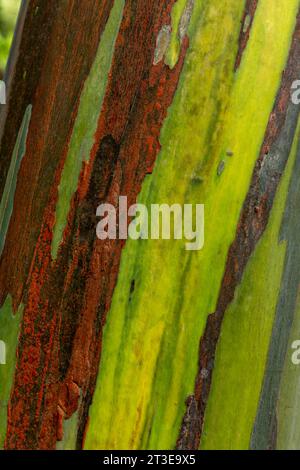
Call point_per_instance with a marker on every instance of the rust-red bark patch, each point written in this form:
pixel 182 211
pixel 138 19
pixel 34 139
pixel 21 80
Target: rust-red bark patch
pixel 66 301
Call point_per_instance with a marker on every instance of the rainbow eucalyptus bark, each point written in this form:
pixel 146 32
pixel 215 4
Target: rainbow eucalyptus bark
pixel 143 344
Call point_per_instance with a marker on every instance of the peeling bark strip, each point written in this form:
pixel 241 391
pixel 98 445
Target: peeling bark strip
pixel 247 21
pixel 66 300
pixel 7 200
pixel 253 221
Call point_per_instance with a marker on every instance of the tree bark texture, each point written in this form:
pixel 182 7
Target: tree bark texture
pixel 144 345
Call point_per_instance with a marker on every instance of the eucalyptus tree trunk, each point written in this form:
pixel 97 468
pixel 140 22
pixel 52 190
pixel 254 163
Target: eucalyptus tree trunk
pixel 142 344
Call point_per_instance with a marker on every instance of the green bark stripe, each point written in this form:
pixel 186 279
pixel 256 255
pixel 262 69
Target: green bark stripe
pixel 9 334
pixel 151 338
pixel 266 425
pixel 245 336
pixel 288 422
pixel 181 14
pixel 70 429
pixel 85 126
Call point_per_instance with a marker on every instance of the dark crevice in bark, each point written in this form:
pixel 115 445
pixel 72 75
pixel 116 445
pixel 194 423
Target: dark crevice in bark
pixel 247 21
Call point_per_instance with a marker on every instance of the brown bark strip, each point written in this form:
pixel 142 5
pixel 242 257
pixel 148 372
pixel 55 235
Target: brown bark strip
pixel 252 224
pixel 50 78
pixel 67 300
pixel 52 84
pixel 247 21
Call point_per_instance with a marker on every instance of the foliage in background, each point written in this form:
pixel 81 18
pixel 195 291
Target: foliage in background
pixel 8 15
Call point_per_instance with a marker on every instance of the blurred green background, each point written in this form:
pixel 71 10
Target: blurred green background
pixel 8 16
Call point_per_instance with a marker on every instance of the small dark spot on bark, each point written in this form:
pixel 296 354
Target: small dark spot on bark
pixel 104 167
pixel 221 167
pixel 196 179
